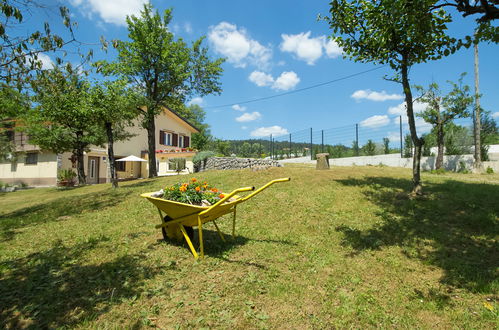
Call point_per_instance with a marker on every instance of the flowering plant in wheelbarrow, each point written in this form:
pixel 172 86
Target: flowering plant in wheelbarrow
pixel 193 192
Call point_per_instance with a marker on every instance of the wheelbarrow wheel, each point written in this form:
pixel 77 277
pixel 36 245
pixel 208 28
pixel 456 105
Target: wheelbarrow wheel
pixel 188 230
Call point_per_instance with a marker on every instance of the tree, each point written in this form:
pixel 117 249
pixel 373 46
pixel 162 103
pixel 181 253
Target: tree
pixel 165 70
pixel 222 147
pixel 399 33
pixel 257 150
pixel 196 115
pixel 488 9
pixel 12 102
pixel 386 145
pixel 408 146
pixel 458 139
pixel 19 52
pixel 370 148
pixel 442 110
pixel 62 120
pixel 113 106
pixel 489 134
pixel 245 150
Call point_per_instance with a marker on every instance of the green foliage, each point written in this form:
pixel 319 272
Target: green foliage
pixel 19 52
pixel 177 164
pixel 369 148
pixel 407 146
pixel 386 145
pixel 245 150
pixel 489 133
pixel 439 171
pixel 489 170
pixel 66 175
pixel 462 168
pixel 196 115
pixel 222 147
pixel 390 32
pixel 458 139
pixel 202 156
pixel 193 192
pixel 63 120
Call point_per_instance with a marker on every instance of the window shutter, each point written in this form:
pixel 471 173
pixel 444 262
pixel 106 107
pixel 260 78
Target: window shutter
pixel 186 142
pixel 161 137
pixel 175 140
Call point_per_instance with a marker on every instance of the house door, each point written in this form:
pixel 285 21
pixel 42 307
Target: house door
pixel 93 170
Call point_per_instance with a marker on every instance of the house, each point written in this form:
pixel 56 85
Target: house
pixel 37 167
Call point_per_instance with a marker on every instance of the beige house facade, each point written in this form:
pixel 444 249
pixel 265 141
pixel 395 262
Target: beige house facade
pixel 37 167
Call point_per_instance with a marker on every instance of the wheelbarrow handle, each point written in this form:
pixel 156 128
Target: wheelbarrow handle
pixel 226 197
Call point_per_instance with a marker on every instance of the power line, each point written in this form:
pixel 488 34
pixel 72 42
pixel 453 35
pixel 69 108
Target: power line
pixel 296 90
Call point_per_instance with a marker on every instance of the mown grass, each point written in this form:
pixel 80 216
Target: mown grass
pixel 338 248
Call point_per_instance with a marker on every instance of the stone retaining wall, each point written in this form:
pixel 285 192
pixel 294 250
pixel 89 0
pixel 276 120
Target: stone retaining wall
pixel 233 163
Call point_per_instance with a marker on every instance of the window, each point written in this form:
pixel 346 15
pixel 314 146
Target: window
pixel 165 138
pixel 181 141
pixel 31 158
pixel 121 166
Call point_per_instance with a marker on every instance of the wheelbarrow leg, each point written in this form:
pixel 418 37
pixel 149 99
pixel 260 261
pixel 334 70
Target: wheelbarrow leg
pixel 234 224
pixel 188 240
pixel 200 231
pixel 219 232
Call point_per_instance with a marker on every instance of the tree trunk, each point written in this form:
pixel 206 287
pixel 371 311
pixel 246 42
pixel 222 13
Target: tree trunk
pixel 417 142
pixel 440 143
pixel 476 119
pixel 151 140
pixel 80 159
pixel 110 155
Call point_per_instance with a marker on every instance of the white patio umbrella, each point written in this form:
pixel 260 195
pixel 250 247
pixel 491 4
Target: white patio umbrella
pixel 131 158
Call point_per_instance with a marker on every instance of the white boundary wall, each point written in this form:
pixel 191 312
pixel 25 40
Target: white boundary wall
pixel 451 163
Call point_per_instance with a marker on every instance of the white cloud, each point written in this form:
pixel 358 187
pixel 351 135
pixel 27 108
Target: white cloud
pixel 196 100
pixel 309 49
pixel 401 110
pixel 375 96
pixel 375 121
pixel 245 117
pixel 394 137
pixel 266 131
pixel 261 79
pixel 244 127
pixel 332 49
pixel 422 126
pixel 495 115
pixel 237 107
pixel 111 11
pixel 235 44
pixel 286 81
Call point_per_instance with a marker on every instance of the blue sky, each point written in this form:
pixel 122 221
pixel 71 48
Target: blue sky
pixel 273 47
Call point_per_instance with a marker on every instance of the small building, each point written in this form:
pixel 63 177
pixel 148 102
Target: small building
pixel 37 167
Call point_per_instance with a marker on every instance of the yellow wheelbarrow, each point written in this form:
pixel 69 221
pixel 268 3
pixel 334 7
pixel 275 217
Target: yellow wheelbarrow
pixel 181 217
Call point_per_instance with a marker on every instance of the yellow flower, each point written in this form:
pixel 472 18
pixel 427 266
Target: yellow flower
pixel 182 189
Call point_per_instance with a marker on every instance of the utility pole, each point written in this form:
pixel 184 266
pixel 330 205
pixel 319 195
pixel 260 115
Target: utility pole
pixel 476 119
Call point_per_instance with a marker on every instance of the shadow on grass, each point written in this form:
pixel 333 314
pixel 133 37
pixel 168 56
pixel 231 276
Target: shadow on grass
pixel 52 289
pixel 454 227
pixel 215 247
pixel 58 210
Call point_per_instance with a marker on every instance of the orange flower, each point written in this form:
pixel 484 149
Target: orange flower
pixel 221 196
pixel 214 190
pixel 193 179
pixel 205 186
pixel 198 188
pixel 182 189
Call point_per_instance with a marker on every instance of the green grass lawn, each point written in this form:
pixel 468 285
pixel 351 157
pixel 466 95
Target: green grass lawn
pixel 339 248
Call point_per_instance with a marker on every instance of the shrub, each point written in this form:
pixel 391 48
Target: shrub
pixel 490 170
pixel 177 164
pixel 202 156
pixel 66 175
pixel 462 168
pixel 439 171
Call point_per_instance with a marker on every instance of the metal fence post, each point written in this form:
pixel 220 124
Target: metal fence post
pixel 401 141
pixel 270 146
pixel 322 140
pixel 357 139
pixel 311 141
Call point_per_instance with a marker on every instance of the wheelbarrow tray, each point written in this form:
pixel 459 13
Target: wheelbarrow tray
pixel 187 214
